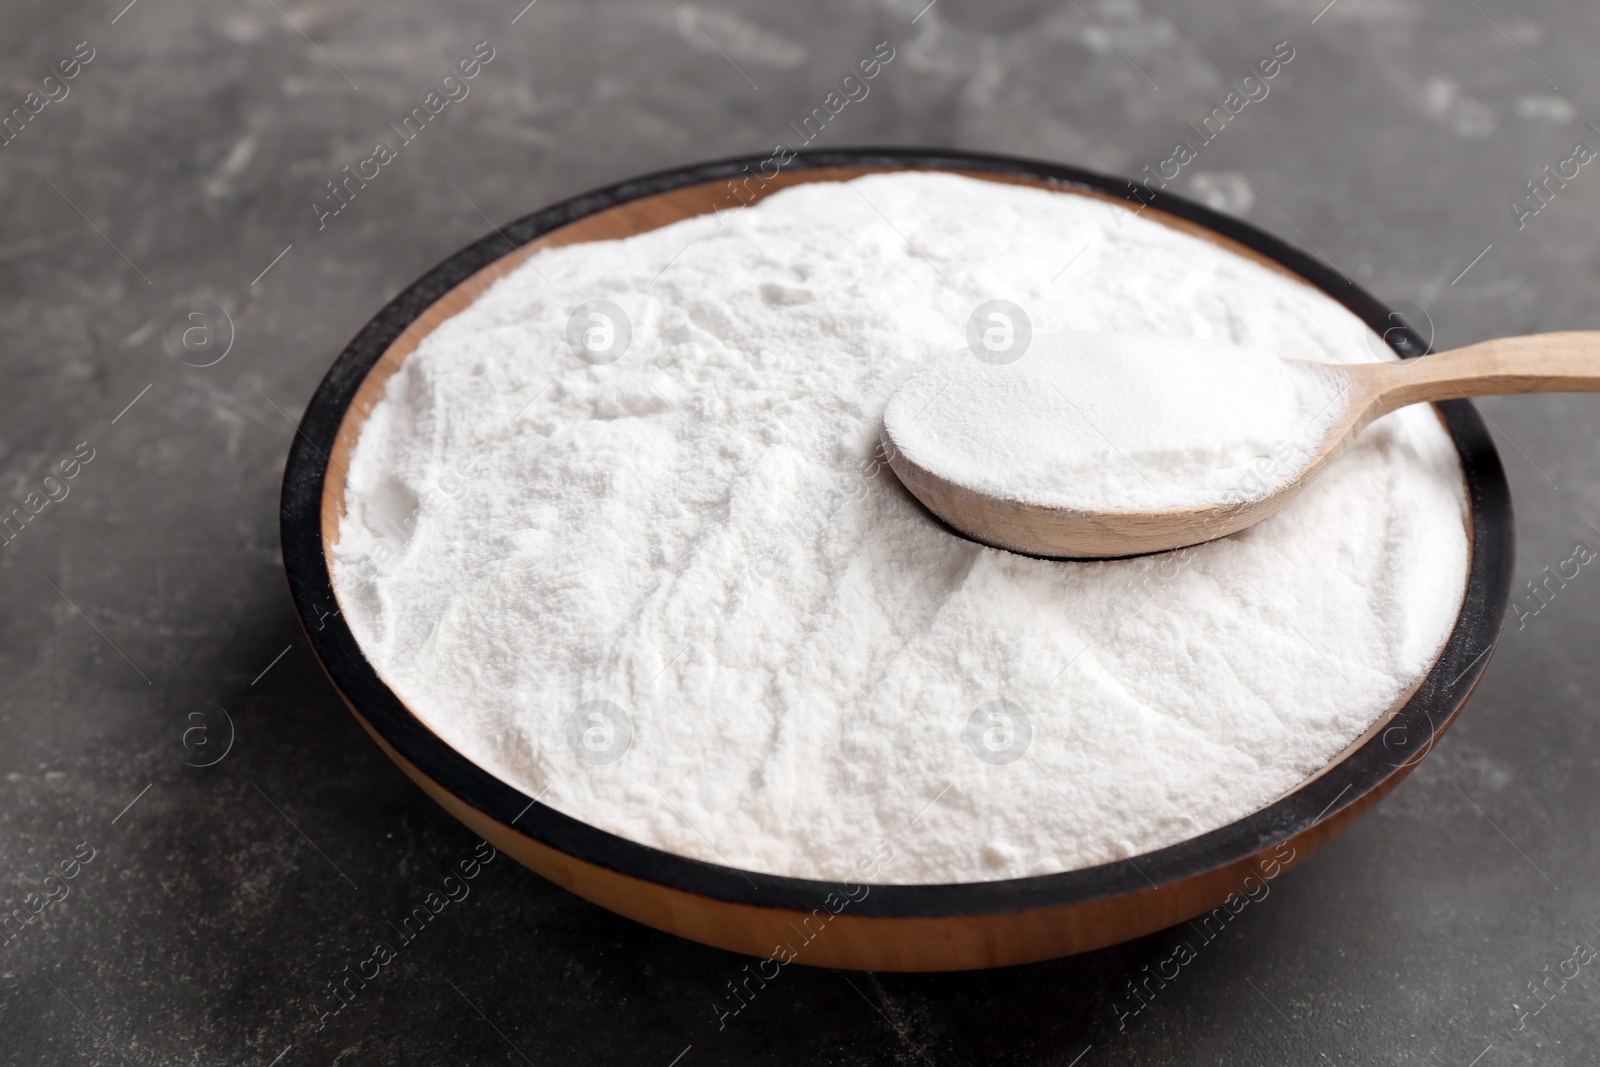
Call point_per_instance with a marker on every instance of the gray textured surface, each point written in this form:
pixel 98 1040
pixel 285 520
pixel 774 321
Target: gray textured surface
pixel 207 923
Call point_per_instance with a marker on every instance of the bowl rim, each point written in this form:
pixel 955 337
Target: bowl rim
pixel 1385 754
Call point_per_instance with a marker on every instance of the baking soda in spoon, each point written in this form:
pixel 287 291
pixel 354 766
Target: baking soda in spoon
pixel 1108 422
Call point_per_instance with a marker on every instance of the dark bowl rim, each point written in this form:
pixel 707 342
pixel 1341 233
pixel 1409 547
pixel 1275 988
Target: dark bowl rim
pixel 1389 753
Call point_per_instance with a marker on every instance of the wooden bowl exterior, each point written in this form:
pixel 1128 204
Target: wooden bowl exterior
pixel 891 927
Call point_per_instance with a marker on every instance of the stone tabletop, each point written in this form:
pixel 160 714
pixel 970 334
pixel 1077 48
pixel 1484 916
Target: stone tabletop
pixel 220 837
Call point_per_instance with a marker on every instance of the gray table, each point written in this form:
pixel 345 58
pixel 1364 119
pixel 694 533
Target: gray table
pixel 182 164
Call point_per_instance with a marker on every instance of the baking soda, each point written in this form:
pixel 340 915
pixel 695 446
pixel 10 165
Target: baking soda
pixel 619 532
pixel 1109 422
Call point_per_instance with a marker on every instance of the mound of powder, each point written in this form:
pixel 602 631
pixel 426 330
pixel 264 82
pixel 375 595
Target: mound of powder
pixel 1115 422
pixel 679 596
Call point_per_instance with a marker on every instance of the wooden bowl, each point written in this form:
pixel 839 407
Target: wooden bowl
pixel 894 927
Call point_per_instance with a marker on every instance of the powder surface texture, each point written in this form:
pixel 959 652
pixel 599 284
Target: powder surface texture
pixel 1110 422
pixel 680 596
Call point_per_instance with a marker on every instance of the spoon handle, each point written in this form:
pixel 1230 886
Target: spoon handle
pixel 1535 363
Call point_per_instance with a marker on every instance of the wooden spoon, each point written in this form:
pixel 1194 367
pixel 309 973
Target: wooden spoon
pixel 1539 363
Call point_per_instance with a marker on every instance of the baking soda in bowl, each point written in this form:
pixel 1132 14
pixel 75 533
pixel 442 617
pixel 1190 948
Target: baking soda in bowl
pixel 620 533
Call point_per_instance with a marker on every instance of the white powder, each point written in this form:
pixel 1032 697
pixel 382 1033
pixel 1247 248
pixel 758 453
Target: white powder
pixel 700 535
pixel 1115 421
